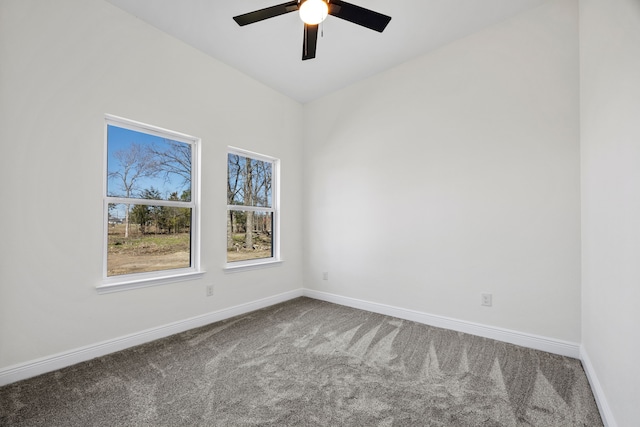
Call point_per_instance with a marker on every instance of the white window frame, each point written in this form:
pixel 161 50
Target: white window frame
pixel 141 280
pixel 275 259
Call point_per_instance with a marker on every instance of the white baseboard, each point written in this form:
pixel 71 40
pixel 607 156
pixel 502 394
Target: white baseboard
pixel 61 360
pixel 550 345
pixel 598 392
pixel 57 361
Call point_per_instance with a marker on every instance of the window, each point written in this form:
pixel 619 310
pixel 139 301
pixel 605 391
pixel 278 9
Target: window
pixel 150 205
pixel 252 209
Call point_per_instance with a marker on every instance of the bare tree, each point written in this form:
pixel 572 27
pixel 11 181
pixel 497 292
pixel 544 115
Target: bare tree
pixel 262 188
pixel 248 201
pixel 233 188
pixel 134 164
pixel 249 184
pixel 174 158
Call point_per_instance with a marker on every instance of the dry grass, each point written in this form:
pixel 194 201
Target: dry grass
pixel 261 249
pixel 140 253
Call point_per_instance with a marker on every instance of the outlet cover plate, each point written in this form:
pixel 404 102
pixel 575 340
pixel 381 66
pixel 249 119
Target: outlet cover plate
pixel 486 300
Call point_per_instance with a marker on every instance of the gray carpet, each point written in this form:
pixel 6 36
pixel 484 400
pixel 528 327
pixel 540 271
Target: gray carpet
pixel 310 363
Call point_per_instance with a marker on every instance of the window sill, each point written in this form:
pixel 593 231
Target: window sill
pixel 238 266
pixel 126 284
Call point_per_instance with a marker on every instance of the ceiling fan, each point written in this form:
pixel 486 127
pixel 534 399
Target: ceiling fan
pixel 312 13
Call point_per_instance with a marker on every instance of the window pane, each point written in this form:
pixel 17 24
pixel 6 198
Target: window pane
pixel 248 181
pixel 144 238
pixel 145 166
pixel 243 245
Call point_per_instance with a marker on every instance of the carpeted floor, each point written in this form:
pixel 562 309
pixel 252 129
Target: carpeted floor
pixel 310 363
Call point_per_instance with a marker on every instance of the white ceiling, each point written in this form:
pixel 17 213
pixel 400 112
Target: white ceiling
pixel 270 51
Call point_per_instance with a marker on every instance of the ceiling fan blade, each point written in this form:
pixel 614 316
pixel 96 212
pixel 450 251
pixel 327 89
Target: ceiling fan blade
pixel 266 13
pixel 359 15
pixel 309 41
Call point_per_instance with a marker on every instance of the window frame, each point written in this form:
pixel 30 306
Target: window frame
pixel 275 258
pixel 139 280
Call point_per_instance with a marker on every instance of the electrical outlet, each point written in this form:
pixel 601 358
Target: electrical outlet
pixel 209 290
pixel 325 275
pixel 486 300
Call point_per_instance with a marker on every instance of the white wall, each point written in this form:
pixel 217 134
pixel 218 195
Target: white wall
pixel 610 142
pixel 455 174
pixel 63 65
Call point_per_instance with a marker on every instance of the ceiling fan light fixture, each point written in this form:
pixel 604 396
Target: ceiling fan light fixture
pixel 313 12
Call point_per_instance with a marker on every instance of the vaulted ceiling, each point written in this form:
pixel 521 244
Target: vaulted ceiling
pixel 270 51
